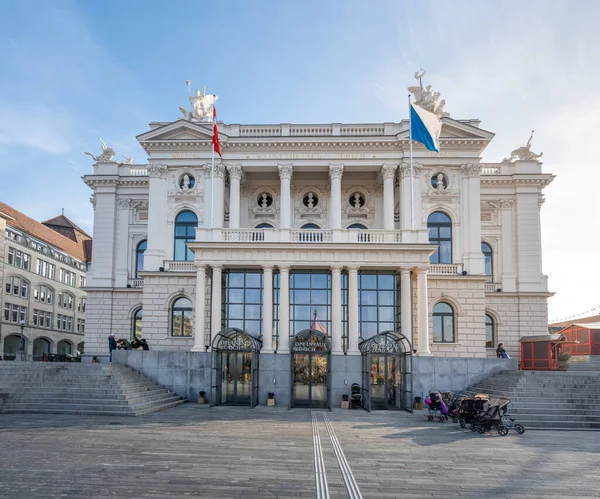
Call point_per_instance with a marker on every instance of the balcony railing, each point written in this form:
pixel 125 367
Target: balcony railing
pixel 137 283
pixel 445 269
pixel 176 266
pixel 491 287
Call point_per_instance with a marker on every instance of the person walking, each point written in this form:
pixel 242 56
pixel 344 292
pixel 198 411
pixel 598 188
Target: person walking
pixel 112 345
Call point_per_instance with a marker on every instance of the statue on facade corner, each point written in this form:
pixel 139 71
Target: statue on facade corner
pixel 201 103
pixel 524 153
pixel 427 98
pixel 107 155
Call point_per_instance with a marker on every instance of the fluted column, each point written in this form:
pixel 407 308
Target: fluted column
pixel 405 305
pixel 474 261
pixel 335 174
pixel 122 249
pixel 218 196
pixel 422 313
pixel 235 176
pixel 509 278
pixel 157 214
pixel 353 310
pixel 267 315
pixel 200 313
pixel 284 310
pixel 388 173
pixel 285 198
pixel 215 304
pixel 336 310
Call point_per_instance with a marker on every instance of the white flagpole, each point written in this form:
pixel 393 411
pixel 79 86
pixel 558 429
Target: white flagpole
pixel 212 180
pixel 412 204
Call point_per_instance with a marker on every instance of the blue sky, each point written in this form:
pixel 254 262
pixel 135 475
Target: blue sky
pixel 71 71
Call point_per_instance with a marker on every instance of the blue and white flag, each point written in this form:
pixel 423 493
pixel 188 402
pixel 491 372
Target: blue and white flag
pixel 425 127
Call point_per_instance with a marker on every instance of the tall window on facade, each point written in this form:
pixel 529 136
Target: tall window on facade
pixel 443 323
pixel 377 303
pixel 311 236
pixel 242 300
pixel 137 324
pixel 309 292
pixel 185 231
pixel 264 225
pixel 486 249
pixel 440 234
pixel 181 318
pixel 139 257
pixel 490 331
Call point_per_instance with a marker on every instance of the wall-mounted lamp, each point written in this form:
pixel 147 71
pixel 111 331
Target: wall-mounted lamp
pixel 129 285
pixel 464 272
pixel 499 290
pixel 162 269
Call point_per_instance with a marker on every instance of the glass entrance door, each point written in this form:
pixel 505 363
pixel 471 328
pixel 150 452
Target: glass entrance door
pixel 310 380
pixel 385 382
pixel 236 378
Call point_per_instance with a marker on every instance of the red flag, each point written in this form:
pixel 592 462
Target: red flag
pixel 215 139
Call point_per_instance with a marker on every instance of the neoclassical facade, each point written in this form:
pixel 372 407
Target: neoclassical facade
pixel 43 275
pixel 310 227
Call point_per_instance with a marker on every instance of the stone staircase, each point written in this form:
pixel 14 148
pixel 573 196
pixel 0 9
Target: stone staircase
pixel 76 388
pixel 584 363
pixel 548 399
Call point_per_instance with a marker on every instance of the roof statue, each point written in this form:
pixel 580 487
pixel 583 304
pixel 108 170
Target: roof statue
pixel 201 103
pixel 428 98
pixel 524 152
pixel 128 161
pixel 108 153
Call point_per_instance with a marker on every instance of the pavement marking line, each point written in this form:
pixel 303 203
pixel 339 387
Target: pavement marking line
pixel 349 480
pixel 320 475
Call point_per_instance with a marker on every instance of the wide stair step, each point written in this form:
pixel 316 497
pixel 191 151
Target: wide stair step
pixel 71 388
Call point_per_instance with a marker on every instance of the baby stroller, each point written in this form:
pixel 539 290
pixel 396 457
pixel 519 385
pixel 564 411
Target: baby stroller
pixel 355 396
pixel 436 406
pixel 491 416
pixel 469 406
pixel 454 406
pixel 447 400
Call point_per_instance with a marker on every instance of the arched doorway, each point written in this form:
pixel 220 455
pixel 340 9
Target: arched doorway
pixel 235 368
pixel 310 370
pixel 387 371
pixel 11 346
pixel 41 347
pixel 64 348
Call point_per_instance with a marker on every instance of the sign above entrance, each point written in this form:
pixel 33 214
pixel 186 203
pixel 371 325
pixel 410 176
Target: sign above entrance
pixel 310 341
pixel 235 340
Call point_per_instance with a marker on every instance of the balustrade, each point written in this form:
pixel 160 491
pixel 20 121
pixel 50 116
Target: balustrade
pixel 176 266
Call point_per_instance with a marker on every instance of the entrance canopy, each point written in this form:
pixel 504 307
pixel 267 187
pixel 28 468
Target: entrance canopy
pixel 310 340
pixel 236 340
pixel 386 342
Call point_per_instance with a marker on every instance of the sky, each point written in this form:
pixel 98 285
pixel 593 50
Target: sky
pixel 73 71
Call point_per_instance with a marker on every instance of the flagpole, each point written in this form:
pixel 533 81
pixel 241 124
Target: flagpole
pixel 212 188
pixel 412 204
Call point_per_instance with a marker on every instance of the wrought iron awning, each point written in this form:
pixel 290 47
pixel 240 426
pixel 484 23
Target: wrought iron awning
pixel 310 340
pixel 386 342
pixel 236 340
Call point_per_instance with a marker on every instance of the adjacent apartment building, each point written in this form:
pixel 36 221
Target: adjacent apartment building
pixel 43 273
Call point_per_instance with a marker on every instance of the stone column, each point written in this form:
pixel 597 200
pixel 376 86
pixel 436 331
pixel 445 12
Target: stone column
pixel 509 278
pixel 388 173
pixel 285 198
pixel 235 175
pixel 218 197
pixel 473 257
pixel 405 196
pixel 335 174
pixel 353 325
pixel 157 215
pixel 122 249
pixel 284 310
pixel 267 318
pixel 199 345
pixel 336 310
pixel 422 313
pixel 405 305
pixel 216 302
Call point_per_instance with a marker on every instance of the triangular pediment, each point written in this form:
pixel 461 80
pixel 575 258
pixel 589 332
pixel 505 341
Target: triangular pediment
pixel 180 130
pixel 460 130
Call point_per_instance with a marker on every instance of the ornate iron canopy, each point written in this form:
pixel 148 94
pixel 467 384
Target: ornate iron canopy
pixel 387 342
pixel 237 340
pixel 310 340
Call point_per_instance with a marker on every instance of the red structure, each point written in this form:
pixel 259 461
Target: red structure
pixel 587 336
pixel 540 353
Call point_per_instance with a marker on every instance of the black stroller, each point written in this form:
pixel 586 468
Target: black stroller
pixel 491 416
pixel 355 396
pixel 469 406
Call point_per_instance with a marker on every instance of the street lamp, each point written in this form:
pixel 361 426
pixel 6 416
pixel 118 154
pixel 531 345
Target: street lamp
pixel 22 352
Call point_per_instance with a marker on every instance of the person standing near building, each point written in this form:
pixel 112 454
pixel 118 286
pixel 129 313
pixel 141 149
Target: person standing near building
pixel 501 352
pixel 112 345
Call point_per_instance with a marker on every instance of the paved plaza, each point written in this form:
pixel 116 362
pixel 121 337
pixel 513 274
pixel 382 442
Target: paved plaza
pixel 271 453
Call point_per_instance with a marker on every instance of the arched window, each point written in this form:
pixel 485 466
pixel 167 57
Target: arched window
pixel 310 226
pixel 264 225
pixel 490 331
pixel 181 318
pixel 137 324
pixel 311 236
pixel 486 249
pixel 440 233
pixel 357 226
pixel 139 257
pixel 185 231
pixel 443 323
pixel 64 347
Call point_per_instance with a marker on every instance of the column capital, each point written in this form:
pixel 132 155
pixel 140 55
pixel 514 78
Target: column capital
pixel 404 271
pixel 506 204
pixel 285 171
pixel 283 268
pixel 267 268
pixel 336 171
pixel 124 203
pixel 201 266
pixel 353 269
pixel 405 169
pixel 388 171
pixel 235 172
pixel 219 170
pixel 471 170
pixel 336 268
pixel 217 266
pixel 157 170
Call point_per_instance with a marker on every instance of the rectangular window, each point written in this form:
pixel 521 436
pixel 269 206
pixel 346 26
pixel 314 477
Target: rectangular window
pixel 378 309
pixel 6 311
pixel 23 289
pixel 36 294
pixel 11 256
pixel 35 317
pixel 310 292
pixel 23 314
pixel 242 300
pixel 69 324
pixel 15 314
pixel 82 281
pixel 26 260
pixel 49 320
pixel 51 270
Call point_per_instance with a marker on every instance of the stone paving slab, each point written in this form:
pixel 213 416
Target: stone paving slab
pixel 265 452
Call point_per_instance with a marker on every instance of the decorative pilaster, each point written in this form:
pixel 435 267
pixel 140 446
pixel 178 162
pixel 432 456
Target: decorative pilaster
pixel 235 176
pixel 353 310
pixel 200 313
pixel 284 310
pixel 509 278
pixel 471 200
pixel 405 195
pixel 335 174
pixel 215 302
pixel 336 310
pixel 405 305
pixel 157 214
pixel 388 173
pixel 122 250
pixel 285 209
pixel 422 313
pixel 218 198
pixel 267 315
